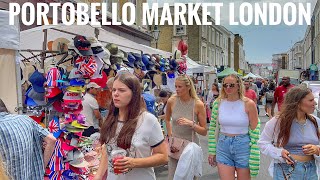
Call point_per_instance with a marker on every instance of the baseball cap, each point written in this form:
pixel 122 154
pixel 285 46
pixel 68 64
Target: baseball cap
pixel 72 97
pixel 82 45
pixel 54 127
pixel 76 89
pixel 52 92
pixel 131 60
pixel 101 81
pixel 52 76
pixel 38 98
pixel 37 80
pixel 74 73
pixel 94 42
pixel 93 85
pixel 77 82
pixel 87 66
pixel 77 125
pixel 113 49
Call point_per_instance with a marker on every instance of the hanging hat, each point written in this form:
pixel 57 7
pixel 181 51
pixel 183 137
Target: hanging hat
pixel 94 42
pixel 60 44
pixel 125 56
pixel 104 56
pixel 52 92
pixel 83 45
pixel 113 49
pixel 131 60
pixel 78 160
pixel 37 80
pixel 52 77
pixel 72 97
pixel 76 89
pixel 37 97
pixel 87 66
pixel 100 65
pixel 101 81
pixel 54 127
pixel 75 73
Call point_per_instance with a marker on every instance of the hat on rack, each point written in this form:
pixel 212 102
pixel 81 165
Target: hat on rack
pixel 52 92
pixel 75 74
pixel 52 77
pixel 93 85
pixel 101 81
pixel 83 45
pixel 78 160
pixel 100 65
pixel 104 56
pixel 54 127
pixel 37 80
pixel 131 60
pixel 138 63
pixel 27 71
pixel 87 66
pixel 125 56
pixel 94 42
pixel 37 97
pixel 29 101
pixel 77 82
pixel 113 49
pixel 60 44
pixel 72 97
pixel 76 89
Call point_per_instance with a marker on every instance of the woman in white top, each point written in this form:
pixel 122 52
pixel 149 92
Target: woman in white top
pixel 236 115
pixel 292 138
pixel 130 128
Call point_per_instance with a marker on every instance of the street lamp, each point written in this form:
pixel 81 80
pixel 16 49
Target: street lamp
pixel 156 33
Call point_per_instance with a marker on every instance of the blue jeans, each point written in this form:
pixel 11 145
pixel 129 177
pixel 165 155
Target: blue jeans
pixel 301 171
pixel 233 151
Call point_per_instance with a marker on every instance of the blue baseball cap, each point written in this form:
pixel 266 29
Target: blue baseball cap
pixel 37 80
pixel 77 82
pixel 131 60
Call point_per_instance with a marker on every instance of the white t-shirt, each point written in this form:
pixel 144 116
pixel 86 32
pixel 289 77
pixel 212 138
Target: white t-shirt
pixel 148 134
pixel 89 104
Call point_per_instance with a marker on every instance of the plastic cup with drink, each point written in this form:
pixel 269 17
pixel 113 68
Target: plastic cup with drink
pixel 117 155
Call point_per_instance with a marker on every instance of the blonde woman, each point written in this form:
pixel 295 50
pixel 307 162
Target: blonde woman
pixel 236 114
pixel 180 109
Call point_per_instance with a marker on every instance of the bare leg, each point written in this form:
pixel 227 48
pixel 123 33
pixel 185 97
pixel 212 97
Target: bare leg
pixel 226 172
pixel 243 174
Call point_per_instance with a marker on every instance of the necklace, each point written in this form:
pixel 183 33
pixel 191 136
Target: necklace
pixel 302 126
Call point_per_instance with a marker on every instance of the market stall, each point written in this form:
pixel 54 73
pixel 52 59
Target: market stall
pixel 9 69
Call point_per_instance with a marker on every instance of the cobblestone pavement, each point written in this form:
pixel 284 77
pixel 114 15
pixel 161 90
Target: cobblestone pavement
pixel 210 173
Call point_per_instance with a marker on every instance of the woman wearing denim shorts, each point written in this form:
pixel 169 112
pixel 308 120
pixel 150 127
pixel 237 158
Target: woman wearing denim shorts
pixel 236 114
pixel 292 138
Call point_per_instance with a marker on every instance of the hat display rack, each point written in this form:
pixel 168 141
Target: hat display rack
pixel 57 84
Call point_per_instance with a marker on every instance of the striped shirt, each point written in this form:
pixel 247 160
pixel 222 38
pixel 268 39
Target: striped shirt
pixel 21 146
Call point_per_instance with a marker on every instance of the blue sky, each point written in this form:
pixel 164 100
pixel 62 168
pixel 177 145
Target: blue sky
pixel 260 42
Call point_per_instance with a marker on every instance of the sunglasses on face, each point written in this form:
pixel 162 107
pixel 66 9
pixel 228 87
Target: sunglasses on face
pixel 232 85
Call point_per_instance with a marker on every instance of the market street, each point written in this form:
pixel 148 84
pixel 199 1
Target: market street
pixel 210 173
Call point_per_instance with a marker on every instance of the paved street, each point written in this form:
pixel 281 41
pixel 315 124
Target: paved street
pixel 210 173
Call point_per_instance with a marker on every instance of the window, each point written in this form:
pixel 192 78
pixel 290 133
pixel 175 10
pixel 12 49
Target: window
pixel 213 57
pixel 217 39
pixel 209 35
pixel 204 31
pixel 212 36
pixel 221 40
pixel 180 29
pixel 204 54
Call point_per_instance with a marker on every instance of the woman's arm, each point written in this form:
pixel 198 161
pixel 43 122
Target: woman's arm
pixel 200 128
pixel 168 116
pixel 252 114
pixel 267 137
pixel 103 166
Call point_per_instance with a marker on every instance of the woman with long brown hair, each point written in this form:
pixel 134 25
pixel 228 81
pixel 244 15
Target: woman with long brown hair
pixel 132 138
pixel 292 138
pixel 188 116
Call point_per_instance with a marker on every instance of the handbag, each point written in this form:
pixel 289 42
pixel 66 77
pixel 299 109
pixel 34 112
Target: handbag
pixel 177 145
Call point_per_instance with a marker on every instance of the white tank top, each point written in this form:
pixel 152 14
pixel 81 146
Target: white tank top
pixel 233 118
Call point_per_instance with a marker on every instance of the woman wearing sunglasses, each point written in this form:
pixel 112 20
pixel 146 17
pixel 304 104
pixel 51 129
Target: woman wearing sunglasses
pixel 188 116
pixel 232 117
pixel 292 138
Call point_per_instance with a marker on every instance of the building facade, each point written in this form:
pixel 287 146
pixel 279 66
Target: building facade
pixel 207 44
pixel 295 56
pixel 136 32
pixel 279 61
pixel 240 63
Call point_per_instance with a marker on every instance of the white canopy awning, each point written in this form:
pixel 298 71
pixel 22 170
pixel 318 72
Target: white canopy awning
pixel 194 67
pixel 33 38
pixel 250 75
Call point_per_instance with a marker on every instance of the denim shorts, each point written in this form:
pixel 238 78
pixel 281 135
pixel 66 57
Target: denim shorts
pixel 301 170
pixel 234 151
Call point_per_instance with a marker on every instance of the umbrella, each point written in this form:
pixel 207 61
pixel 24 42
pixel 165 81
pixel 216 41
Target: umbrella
pixel 250 75
pixel 227 72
